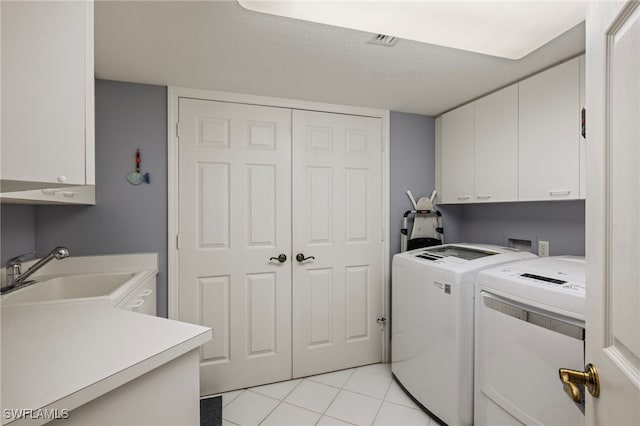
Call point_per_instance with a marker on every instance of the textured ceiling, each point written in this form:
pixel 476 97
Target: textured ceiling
pixel 221 46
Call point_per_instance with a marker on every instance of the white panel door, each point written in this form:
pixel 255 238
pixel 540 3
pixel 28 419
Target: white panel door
pixel 458 157
pixel 613 211
pixel 496 146
pixel 549 134
pixel 337 219
pixel 234 220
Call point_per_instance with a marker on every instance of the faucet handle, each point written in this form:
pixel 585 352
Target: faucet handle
pixel 17 260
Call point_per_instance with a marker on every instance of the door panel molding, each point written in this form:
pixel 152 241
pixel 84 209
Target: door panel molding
pixel 218 133
pixel 613 326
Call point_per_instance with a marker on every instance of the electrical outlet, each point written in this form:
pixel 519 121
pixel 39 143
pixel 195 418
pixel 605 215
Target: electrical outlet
pixel 543 248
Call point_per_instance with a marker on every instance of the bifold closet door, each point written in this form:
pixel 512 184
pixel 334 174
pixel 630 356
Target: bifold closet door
pixel 235 221
pixel 337 226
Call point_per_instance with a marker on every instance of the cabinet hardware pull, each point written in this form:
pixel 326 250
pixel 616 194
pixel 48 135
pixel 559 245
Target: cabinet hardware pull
pixel 563 192
pixel 145 293
pixel 69 194
pixel 136 304
pixel 483 197
pixel 463 197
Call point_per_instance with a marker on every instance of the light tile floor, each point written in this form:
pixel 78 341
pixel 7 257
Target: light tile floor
pixel 359 396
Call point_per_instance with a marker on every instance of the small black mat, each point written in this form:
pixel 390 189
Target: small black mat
pixel 211 411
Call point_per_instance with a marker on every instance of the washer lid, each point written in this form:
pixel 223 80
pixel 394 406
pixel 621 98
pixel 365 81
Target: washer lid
pixel 461 252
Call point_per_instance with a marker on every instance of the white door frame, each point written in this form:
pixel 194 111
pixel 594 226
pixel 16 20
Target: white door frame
pixel 173 96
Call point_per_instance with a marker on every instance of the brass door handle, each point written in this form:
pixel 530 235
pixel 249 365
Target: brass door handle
pixel 572 380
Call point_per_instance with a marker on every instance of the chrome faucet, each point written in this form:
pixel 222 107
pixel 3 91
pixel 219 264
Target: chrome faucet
pixel 16 279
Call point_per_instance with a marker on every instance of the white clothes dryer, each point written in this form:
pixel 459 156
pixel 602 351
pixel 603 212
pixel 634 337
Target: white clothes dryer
pixel 529 323
pixel 432 324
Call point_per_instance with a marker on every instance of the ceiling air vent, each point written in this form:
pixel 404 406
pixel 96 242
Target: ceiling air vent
pixel 382 40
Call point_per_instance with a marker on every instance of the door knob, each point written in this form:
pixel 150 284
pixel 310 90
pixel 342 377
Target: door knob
pixel 281 258
pixel 573 381
pixel 300 257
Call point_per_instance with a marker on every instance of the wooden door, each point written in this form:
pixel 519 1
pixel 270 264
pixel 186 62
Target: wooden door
pixel 337 222
pixel 234 221
pixel 613 211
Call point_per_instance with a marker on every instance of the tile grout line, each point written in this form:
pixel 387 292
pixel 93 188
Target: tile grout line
pixel 270 412
pixel 272 397
pixel 324 413
pixel 281 401
pixel 234 398
pixel 382 403
pixel 255 393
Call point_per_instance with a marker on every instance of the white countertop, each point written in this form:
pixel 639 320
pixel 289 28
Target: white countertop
pixel 63 355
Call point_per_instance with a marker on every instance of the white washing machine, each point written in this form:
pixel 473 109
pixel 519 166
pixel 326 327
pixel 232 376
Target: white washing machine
pixel 529 323
pixel 432 324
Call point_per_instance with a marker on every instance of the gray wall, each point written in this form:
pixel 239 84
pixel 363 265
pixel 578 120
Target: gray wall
pixel 126 218
pixel 130 218
pixel 562 223
pixel 412 158
pixel 17 230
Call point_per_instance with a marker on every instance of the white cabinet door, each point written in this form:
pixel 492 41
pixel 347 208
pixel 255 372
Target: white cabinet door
pixel 583 141
pixel 47 94
pixel 458 158
pixel 496 146
pixel 235 216
pixel 549 126
pixel 337 219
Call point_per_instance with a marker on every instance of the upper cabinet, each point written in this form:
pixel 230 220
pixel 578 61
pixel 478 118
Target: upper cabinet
pixel 521 143
pixel 457 148
pixel 496 134
pixel 479 150
pixel 548 135
pixel 47 95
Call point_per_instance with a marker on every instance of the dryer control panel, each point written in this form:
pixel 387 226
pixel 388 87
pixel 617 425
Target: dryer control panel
pixel 553 281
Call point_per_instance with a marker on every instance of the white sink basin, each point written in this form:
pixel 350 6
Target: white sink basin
pixel 70 287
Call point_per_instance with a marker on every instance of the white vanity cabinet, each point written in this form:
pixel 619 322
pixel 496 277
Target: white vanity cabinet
pixel 168 395
pixel 47 96
pixel 458 161
pixel 142 299
pixel 549 134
